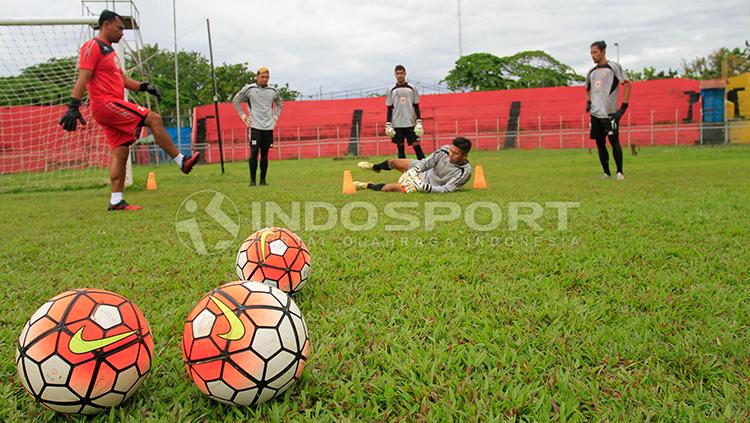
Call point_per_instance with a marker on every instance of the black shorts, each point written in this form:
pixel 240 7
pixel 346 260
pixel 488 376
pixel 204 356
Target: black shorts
pixel 602 127
pixel 261 138
pixel 405 134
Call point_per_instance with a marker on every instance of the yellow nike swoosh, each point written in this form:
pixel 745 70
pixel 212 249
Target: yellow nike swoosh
pixel 78 345
pixel 236 328
pixel 263 237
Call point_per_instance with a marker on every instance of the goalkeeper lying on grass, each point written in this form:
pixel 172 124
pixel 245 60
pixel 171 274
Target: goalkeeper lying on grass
pixel 445 170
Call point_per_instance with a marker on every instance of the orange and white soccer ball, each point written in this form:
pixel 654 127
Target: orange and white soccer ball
pixel 245 343
pixel 84 351
pixel 276 257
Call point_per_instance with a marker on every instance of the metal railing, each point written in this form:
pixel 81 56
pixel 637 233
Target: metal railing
pixel 298 142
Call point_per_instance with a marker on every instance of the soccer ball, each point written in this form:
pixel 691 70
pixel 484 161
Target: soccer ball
pixel 245 343
pixel 84 351
pixel 276 257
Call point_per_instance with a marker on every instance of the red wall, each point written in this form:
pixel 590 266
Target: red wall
pixel 32 140
pixel 448 115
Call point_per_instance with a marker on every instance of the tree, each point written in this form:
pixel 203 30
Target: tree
pixel 231 78
pixel 46 83
pixel 649 74
pixel 736 62
pixel 527 69
pixel 286 93
pixel 196 87
pixel 51 82
pixel 478 72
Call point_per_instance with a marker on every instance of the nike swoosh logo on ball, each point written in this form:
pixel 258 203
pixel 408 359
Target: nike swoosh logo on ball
pixel 78 345
pixel 236 328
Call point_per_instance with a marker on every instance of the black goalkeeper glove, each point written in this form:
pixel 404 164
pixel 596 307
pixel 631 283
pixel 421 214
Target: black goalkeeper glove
pixel 68 121
pixel 588 106
pixel 620 112
pixel 151 89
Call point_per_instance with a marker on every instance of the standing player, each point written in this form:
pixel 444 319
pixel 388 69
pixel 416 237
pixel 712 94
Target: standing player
pixel 404 120
pixel 447 169
pixel 101 74
pixel 260 99
pixel 602 86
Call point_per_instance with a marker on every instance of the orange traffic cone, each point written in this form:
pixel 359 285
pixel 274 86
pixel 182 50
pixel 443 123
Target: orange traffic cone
pixel 479 182
pixel 348 187
pixel 151 183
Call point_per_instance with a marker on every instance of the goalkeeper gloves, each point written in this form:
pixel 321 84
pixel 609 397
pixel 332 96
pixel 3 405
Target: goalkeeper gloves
pixel 389 131
pixel 621 111
pixel 151 89
pixel 413 172
pixel 68 121
pixel 408 187
pixel 418 128
pixel 422 186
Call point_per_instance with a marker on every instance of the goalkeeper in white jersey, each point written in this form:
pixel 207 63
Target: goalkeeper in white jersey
pixel 447 169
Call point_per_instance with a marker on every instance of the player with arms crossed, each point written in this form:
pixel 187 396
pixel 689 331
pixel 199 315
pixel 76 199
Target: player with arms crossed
pixel 404 120
pixel 260 99
pixel 447 169
pixel 602 86
pixel 101 74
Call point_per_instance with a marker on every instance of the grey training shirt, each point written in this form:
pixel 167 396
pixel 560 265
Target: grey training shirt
pixel 260 101
pixel 603 82
pixel 440 173
pixel 402 98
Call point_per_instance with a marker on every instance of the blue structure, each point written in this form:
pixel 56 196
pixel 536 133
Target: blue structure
pixel 185 134
pixel 713 105
pixel 713 116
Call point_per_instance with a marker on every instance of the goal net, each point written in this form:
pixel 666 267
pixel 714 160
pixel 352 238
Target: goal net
pixel 38 67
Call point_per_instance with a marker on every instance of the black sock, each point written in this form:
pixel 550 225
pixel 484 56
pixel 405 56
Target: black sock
pixel 616 151
pixel 375 187
pixel 253 163
pixel 263 163
pixel 601 146
pixel 419 152
pixel 401 151
pixel 382 166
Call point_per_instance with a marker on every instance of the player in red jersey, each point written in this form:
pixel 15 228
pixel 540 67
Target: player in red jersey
pixel 100 72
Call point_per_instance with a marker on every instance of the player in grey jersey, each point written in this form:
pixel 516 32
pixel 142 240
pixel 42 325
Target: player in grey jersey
pixel 445 170
pixel 404 120
pixel 260 99
pixel 602 87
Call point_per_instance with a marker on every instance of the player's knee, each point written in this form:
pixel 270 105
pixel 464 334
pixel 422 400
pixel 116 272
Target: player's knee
pixel 153 119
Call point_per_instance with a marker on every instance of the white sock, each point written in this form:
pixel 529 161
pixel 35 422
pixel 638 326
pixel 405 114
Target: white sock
pixel 115 198
pixel 178 159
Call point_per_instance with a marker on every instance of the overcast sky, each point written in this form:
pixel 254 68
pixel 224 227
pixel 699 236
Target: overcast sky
pixel 339 44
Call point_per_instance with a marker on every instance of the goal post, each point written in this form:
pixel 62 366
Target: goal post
pixel 38 68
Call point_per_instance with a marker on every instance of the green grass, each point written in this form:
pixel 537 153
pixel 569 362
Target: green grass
pixel 639 311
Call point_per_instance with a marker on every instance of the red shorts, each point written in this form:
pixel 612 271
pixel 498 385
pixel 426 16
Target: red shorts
pixel 119 120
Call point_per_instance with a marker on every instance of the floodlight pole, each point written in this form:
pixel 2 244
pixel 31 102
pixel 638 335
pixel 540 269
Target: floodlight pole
pixel 216 96
pixel 176 73
pixel 618 52
pixel 460 40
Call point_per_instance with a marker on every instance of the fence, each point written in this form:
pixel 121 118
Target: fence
pixel 487 134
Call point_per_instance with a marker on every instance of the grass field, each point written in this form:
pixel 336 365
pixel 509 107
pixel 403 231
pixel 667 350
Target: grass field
pixel 639 311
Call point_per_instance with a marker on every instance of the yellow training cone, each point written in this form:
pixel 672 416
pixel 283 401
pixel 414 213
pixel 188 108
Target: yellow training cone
pixel 479 182
pixel 151 183
pixel 348 187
